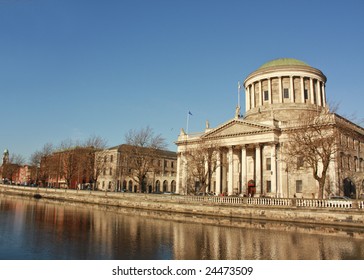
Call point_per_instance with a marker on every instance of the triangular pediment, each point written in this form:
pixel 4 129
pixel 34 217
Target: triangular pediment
pixel 237 127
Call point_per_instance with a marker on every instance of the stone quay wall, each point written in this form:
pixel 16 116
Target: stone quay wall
pixel 308 211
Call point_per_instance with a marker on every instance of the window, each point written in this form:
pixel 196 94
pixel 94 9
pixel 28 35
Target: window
pixel 172 165
pixel 104 171
pixel 286 93
pixel 266 95
pixel 298 186
pixel 306 93
pixel 105 158
pixel 299 162
pixel 268 163
pixel 269 186
pixel 111 158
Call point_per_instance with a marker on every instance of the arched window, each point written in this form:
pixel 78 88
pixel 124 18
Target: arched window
pixel 157 186
pixel 173 186
pixel 165 185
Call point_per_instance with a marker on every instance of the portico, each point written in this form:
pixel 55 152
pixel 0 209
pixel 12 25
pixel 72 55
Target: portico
pixel 246 152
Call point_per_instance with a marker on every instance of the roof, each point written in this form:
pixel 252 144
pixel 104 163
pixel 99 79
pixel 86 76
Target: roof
pixel 163 153
pixel 283 62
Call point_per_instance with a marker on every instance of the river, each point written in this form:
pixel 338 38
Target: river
pixel 45 230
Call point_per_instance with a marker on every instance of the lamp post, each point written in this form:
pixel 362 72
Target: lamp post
pixel 287 182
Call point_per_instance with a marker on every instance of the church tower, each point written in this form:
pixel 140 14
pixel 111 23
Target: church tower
pixel 6 157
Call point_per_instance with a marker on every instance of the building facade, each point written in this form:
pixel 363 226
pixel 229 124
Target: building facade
pixel 115 171
pixel 250 158
pixel 70 168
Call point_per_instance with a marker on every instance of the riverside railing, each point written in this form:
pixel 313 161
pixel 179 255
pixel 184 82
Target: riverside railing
pixel 218 200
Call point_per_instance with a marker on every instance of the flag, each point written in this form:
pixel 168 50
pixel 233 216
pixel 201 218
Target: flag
pixel 189 112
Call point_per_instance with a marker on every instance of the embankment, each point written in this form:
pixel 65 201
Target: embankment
pixel 242 208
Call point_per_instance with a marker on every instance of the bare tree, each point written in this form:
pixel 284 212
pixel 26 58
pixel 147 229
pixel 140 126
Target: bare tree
pixel 94 162
pixel 202 163
pixel 314 142
pixel 17 159
pixel 68 162
pixel 141 151
pixel 10 168
pixel 41 161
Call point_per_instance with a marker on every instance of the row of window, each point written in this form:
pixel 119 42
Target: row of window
pixel 298 186
pixel 156 162
pixel 349 142
pixel 157 173
pixel 285 94
pixel 352 163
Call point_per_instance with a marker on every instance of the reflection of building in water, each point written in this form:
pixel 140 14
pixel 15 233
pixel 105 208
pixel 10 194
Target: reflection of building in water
pixel 250 148
pixel 85 232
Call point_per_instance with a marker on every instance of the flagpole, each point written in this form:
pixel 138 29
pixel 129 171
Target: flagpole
pixel 188 117
pixel 239 94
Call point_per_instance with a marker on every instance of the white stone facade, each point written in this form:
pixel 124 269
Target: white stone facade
pixel 251 146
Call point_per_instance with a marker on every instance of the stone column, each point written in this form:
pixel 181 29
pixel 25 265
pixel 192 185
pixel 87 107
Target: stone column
pixel 253 95
pixel 280 89
pixel 260 93
pixel 273 169
pixel 311 91
pixel 247 99
pixel 303 90
pixel 318 93
pixel 184 174
pixel 178 180
pixel 218 174
pixel 243 170
pixel 323 94
pixel 291 88
pixel 270 91
pixel 223 172
pixel 258 166
pixel 231 170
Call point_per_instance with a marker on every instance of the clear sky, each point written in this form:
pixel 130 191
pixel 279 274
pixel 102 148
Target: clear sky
pixel 74 68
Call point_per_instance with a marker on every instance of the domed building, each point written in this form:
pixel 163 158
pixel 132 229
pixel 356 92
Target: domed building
pixel 251 149
pixel 283 87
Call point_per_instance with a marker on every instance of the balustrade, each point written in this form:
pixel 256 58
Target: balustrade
pixel 227 200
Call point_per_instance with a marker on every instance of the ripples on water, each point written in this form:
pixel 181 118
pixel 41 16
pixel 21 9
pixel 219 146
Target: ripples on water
pixel 36 229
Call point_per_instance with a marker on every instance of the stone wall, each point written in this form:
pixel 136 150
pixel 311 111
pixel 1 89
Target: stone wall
pixel 291 213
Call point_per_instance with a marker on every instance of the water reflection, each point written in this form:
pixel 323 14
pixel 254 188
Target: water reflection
pixel 32 229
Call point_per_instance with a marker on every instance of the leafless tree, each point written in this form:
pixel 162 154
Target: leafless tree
pixel 202 163
pixel 40 161
pixel 141 152
pixel 94 162
pixel 10 168
pixel 17 159
pixel 314 142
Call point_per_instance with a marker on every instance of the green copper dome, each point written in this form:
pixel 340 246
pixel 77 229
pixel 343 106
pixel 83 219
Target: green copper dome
pixel 283 62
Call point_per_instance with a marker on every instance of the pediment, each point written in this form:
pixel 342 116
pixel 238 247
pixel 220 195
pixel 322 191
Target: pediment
pixel 237 127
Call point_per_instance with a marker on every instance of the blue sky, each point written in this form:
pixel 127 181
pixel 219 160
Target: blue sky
pixel 74 68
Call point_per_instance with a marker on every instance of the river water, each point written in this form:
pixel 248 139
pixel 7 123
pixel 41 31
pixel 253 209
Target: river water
pixel 44 230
